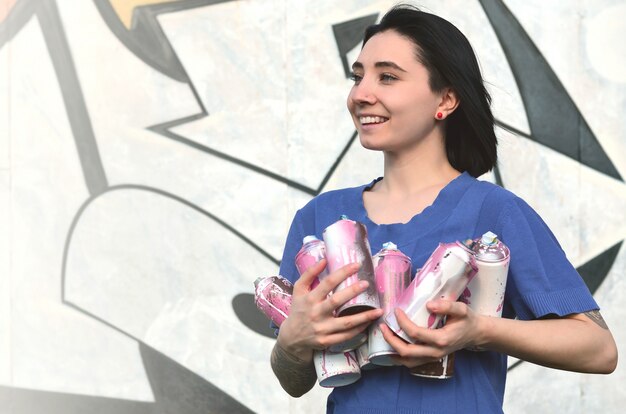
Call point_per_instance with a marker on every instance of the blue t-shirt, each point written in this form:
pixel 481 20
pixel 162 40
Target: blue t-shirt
pixel 541 281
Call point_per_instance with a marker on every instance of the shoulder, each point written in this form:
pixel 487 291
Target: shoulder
pixel 486 195
pixel 512 217
pixel 495 195
pixel 493 192
pixel 497 207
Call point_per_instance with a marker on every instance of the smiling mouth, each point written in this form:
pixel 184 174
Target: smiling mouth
pixel 371 120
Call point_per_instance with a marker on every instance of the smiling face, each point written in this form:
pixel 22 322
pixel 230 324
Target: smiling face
pixel 391 103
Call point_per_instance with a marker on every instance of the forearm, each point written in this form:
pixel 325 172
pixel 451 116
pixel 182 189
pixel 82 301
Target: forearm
pixel 296 376
pixel 573 343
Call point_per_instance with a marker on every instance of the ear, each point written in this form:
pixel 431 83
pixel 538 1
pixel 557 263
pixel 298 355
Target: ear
pixel 449 102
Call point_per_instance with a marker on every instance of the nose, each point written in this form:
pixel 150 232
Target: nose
pixel 363 93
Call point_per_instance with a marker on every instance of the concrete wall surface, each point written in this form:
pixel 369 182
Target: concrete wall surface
pixel 154 152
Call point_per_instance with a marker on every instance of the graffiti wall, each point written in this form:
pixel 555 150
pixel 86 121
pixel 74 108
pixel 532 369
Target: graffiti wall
pixel 153 153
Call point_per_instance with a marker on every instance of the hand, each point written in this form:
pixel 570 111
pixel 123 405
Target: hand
pixel 462 329
pixel 311 323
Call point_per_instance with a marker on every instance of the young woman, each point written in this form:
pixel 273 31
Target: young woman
pixel 418 97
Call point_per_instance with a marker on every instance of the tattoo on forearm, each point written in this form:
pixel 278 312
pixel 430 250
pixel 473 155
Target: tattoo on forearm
pixel 296 377
pixel 597 318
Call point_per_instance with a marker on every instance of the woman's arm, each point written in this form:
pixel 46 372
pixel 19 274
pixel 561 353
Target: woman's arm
pixel 312 325
pixel 295 375
pixel 578 342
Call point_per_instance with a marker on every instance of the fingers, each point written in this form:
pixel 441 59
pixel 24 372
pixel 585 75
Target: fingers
pixel 303 284
pixel 350 321
pixel 434 338
pixel 331 281
pixel 342 328
pixel 409 327
pixel 441 307
pixel 447 307
pixel 411 354
pixel 339 298
pixel 345 324
pixel 321 292
pixel 342 336
pixel 392 339
pixel 336 330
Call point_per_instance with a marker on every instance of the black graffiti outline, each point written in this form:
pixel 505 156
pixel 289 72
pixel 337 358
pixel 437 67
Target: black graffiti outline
pixel 221 398
pixel 47 14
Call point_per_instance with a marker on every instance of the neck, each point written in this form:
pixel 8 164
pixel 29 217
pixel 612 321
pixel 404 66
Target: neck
pixel 411 170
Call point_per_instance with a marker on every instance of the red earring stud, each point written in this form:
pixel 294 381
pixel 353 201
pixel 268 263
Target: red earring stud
pixel 439 115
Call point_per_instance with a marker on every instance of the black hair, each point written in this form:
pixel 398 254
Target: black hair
pixel 446 53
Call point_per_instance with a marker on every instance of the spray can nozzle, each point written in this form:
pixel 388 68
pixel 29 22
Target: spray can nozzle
pixel 489 238
pixel 390 246
pixel 308 239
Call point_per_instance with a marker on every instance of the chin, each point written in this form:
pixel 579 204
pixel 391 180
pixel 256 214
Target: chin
pixel 369 145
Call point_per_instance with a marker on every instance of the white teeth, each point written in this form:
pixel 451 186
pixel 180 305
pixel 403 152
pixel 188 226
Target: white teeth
pixel 371 119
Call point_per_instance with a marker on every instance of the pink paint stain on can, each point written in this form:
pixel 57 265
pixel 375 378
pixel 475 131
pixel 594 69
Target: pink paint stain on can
pixel 272 296
pixel 393 274
pixel 346 242
pixel 336 369
pixel 445 275
pixel 466 296
pixel 312 252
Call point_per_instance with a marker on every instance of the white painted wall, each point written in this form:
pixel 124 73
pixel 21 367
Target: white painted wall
pixel 142 260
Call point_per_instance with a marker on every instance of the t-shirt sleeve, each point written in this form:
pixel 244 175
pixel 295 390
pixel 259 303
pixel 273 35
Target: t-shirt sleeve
pixel 541 279
pixel 293 244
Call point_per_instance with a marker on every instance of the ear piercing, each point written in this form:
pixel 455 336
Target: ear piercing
pixel 439 115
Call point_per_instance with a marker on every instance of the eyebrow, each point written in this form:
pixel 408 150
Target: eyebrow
pixel 383 64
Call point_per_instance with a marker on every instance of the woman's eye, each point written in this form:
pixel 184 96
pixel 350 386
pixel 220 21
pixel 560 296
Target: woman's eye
pixel 355 78
pixel 387 78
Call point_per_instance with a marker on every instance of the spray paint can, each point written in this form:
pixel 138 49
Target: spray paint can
pixel 442 369
pixel 393 274
pixel 445 275
pixel 313 250
pixel 346 242
pixel 272 295
pixel 362 355
pixel 485 293
pixel 336 369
